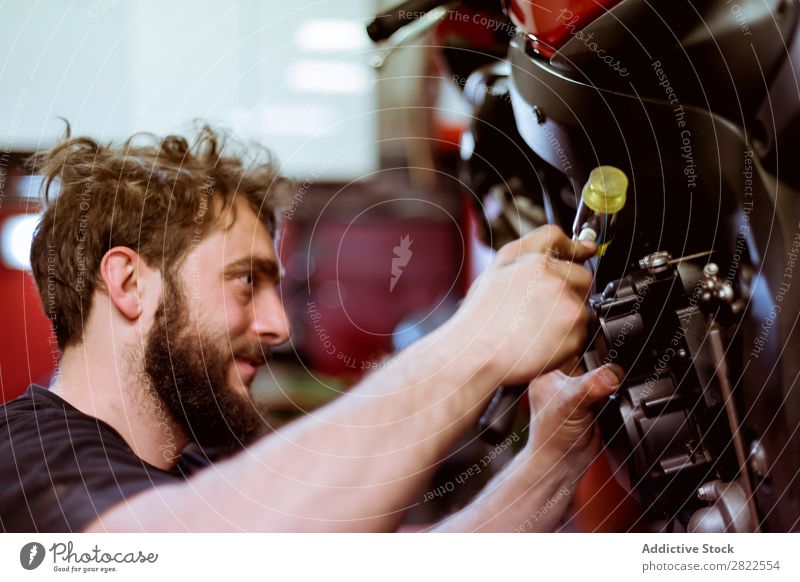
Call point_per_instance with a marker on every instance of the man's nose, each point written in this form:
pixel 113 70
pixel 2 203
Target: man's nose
pixel 271 323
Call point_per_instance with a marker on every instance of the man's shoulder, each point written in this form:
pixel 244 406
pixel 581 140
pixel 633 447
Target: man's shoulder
pixel 34 401
pixel 37 409
pixel 60 468
pixel 24 400
pixel 41 426
pixel 40 422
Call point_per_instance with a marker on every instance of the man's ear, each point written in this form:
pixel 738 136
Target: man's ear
pixel 119 271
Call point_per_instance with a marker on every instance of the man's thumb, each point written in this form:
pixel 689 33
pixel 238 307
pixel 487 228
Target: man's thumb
pixel 601 383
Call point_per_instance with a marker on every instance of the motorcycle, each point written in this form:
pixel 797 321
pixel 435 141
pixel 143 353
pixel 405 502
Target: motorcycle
pixel 697 104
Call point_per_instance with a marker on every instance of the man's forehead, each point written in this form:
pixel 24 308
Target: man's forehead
pixel 240 226
pixel 238 239
pixel 239 211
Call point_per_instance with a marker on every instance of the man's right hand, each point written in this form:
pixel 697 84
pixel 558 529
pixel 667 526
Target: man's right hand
pixel 527 312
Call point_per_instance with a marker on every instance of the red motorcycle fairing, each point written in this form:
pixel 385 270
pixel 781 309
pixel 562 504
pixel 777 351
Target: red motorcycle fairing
pixel 550 23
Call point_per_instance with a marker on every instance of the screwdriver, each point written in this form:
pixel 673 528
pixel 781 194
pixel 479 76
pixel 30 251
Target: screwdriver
pixel 602 197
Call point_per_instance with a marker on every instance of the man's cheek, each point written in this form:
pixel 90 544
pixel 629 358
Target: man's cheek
pixel 235 322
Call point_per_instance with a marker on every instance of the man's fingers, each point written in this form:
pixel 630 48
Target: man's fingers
pixel 579 391
pixel 551 239
pixel 567 249
pixel 577 277
pixel 599 383
pixel 548 239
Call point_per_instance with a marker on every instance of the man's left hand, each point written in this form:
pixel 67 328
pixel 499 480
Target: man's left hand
pixel 562 423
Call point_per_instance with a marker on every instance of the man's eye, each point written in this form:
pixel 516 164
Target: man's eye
pixel 248 279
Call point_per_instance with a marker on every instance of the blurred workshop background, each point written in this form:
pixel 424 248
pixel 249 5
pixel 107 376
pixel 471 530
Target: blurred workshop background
pixel 374 151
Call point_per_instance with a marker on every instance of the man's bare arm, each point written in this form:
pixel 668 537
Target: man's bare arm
pixel 356 464
pixel 533 492
pixel 352 465
pixel 530 494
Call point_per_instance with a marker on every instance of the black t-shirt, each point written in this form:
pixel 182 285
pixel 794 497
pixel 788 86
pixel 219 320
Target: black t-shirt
pixel 60 469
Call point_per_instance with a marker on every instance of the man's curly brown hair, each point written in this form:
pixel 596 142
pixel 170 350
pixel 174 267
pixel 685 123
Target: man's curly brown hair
pixel 157 196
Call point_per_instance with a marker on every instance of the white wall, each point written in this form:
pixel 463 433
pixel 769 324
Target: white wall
pixel 270 70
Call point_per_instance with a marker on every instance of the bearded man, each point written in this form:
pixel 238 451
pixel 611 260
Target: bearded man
pixel 156 259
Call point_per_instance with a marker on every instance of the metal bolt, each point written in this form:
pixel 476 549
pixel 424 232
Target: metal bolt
pixel 710 269
pixel 758 459
pixel 656 262
pixel 708 491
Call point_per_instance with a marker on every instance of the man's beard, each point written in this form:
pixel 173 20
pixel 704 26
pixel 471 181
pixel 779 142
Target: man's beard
pixel 188 372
